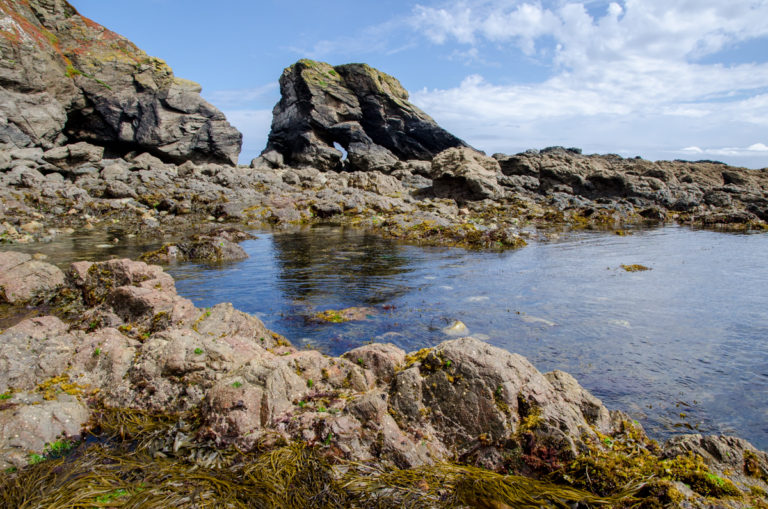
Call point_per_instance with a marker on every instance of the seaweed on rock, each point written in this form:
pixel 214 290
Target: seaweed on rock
pixel 142 460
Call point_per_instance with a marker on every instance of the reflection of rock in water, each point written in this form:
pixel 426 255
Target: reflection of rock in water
pixel 340 264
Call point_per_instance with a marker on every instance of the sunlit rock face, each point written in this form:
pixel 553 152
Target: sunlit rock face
pixel 65 78
pixel 356 108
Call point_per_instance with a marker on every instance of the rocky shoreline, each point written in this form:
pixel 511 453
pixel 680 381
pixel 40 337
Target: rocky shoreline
pixel 529 195
pixel 120 342
pixel 114 390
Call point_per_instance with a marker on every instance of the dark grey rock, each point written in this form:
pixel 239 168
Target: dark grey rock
pixel 355 106
pixel 112 94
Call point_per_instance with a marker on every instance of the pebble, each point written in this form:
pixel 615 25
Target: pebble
pixel 32 226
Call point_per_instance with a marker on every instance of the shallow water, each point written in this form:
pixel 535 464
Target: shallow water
pixel 681 346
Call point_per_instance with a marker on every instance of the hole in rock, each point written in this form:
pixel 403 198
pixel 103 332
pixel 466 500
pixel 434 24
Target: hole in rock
pixel 341 149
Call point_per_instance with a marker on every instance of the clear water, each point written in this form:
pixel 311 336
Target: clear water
pixel 682 346
pixel 688 337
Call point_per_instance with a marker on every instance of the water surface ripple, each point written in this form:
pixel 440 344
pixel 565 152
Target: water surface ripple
pixel 682 346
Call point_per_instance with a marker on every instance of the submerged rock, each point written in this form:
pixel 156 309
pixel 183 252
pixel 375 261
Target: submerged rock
pixel 363 110
pixel 240 385
pixel 219 245
pixel 457 328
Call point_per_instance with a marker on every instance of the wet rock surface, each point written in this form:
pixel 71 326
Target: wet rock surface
pixel 132 344
pixel 463 198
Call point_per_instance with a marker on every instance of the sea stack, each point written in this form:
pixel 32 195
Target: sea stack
pixel 356 107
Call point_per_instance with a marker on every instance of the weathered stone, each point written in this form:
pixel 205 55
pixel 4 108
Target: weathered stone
pixel 466 388
pixel 382 358
pixel 217 246
pixel 376 182
pixel 177 367
pixel 28 423
pixel 33 351
pixel 721 453
pixel 73 80
pixel 73 155
pixel 102 360
pixel 465 174
pixel 117 189
pixel 591 408
pixel 23 279
pixel 269 159
pixel 252 398
pixel 155 309
pixel 97 280
pixel 355 106
pixel 224 321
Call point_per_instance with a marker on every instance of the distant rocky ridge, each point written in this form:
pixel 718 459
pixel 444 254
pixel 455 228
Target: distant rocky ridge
pixel 364 111
pixel 65 78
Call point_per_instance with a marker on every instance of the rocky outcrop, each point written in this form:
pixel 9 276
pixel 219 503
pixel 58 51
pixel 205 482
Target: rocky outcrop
pixel 715 193
pixel 466 174
pixel 361 109
pixel 220 245
pixel 136 346
pixel 66 79
pixel 25 280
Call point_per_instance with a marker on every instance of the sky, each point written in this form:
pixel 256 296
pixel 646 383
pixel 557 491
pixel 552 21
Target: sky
pixel 660 79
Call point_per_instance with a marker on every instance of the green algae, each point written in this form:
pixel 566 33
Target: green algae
pixel 629 457
pixel 636 267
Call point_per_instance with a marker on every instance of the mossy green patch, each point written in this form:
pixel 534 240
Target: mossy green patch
pixel 635 268
pixel 631 458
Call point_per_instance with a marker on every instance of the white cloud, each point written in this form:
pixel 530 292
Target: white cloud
pixel 728 151
pixel 629 78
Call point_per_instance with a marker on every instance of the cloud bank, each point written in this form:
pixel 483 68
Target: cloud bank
pixel 639 76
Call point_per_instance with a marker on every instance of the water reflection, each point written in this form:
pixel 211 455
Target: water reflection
pixel 97 245
pixel 680 347
pixel 349 263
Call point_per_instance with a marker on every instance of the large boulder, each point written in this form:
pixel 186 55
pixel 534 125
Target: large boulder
pixel 29 423
pixel 24 280
pixel 33 351
pixel 363 110
pixel 466 174
pixel 470 393
pixel 66 79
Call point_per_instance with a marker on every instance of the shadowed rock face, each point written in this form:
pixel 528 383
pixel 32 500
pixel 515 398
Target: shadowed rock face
pixel 64 78
pixel 361 109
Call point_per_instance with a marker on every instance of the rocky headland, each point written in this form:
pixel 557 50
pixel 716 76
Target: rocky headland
pixel 206 407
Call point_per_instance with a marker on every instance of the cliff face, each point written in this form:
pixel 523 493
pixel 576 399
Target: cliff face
pixel 362 109
pixel 65 78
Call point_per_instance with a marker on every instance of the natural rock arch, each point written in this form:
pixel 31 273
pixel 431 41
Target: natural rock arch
pixel 362 109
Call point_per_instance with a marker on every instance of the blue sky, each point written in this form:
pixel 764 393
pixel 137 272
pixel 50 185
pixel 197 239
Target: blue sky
pixel 663 79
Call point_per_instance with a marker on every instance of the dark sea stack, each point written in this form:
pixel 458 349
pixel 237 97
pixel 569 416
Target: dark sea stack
pixel 65 79
pixel 363 110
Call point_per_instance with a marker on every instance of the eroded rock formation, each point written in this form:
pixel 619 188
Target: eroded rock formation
pixel 363 110
pixel 65 78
